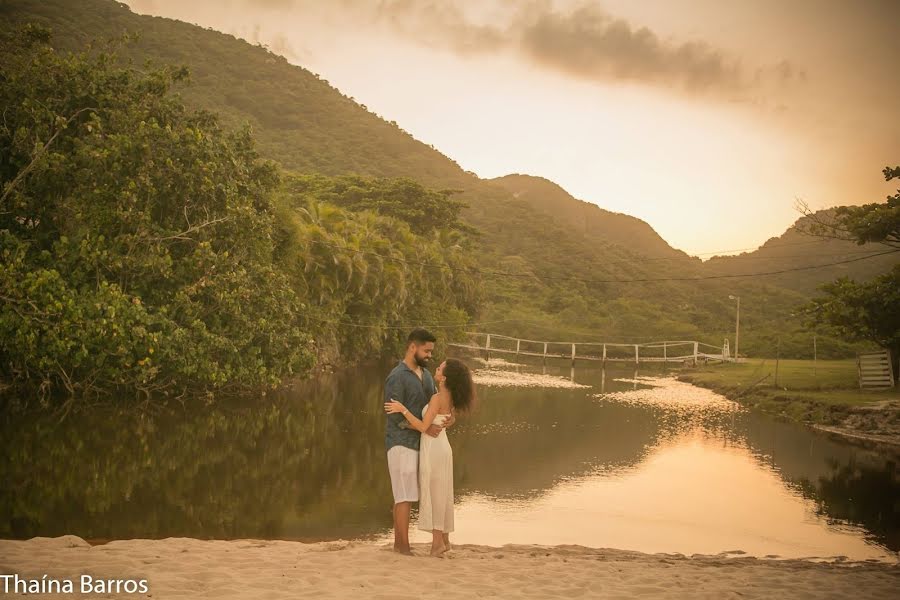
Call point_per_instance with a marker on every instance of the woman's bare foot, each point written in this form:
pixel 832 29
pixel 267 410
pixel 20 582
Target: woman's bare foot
pixel 438 551
pixel 447 541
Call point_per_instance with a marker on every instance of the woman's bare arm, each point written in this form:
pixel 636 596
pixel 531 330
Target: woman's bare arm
pixel 418 424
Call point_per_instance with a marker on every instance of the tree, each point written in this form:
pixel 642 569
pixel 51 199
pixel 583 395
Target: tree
pixel 877 222
pixel 862 311
pixel 367 273
pixel 424 209
pixel 136 235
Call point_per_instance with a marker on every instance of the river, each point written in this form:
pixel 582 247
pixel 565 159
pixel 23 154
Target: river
pixel 601 458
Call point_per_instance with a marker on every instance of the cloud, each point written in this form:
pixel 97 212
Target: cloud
pixel 585 42
pixel 592 44
pixel 578 40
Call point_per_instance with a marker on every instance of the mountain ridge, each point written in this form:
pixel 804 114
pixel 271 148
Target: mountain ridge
pixel 550 272
pixel 587 218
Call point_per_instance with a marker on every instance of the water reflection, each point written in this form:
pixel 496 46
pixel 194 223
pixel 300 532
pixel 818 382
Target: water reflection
pixel 655 508
pixel 535 465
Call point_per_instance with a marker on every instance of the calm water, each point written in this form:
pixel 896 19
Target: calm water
pixel 639 464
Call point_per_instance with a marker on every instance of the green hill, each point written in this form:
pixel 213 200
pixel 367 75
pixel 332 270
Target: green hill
pixel 296 116
pixel 795 248
pixel 553 267
pixel 586 219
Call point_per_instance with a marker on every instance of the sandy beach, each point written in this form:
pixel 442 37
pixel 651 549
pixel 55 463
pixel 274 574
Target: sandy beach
pixel 249 569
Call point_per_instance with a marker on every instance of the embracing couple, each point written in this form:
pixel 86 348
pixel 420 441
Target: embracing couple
pixel 419 407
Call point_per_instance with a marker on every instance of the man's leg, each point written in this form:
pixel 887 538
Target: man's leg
pixel 403 464
pixel 401 527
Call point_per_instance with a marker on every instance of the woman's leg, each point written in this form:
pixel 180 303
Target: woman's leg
pixel 437 542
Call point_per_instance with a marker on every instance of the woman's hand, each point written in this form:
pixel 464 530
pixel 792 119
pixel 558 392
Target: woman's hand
pixel 394 407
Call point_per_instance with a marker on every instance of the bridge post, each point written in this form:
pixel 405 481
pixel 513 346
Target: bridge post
pixel 545 354
pixel 487 346
pixel 696 352
pixel 573 355
pixel 636 359
pixel 665 353
pixel 604 354
pixel 517 348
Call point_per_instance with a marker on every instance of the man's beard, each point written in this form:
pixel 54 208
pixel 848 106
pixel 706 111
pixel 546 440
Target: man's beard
pixel 422 362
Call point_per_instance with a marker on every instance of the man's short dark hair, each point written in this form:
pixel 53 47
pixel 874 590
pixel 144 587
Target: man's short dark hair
pixel 420 336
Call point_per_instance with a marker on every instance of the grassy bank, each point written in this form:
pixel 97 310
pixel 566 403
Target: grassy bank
pixel 822 393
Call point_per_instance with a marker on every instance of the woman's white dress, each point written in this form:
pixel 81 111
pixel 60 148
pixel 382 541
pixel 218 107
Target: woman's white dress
pixel 436 480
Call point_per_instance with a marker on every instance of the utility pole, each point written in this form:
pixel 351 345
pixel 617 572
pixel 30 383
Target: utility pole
pixel 777 357
pixel 815 356
pixel 737 327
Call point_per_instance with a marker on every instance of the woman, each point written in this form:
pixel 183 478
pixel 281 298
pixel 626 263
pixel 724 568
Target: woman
pixel 456 394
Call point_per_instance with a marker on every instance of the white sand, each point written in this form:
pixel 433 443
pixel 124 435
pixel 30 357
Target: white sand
pixel 256 569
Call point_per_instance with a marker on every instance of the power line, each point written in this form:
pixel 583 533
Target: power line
pixel 636 257
pixel 594 281
pixel 775 256
pixel 732 276
pixel 806 243
pixel 445 325
pixel 724 253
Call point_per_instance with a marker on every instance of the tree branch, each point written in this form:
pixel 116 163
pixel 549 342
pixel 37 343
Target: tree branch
pixel 29 166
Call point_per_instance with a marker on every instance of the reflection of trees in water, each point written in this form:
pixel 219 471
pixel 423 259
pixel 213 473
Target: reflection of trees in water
pixel 862 494
pixel 230 471
pixel 308 463
pixel 523 441
pixel 848 483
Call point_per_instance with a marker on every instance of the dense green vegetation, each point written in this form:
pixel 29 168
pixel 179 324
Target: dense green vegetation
pixel 356 236
pixel 366 277
pixel 145 247
pixel 134 235
pixel 871 310
pixel 867 311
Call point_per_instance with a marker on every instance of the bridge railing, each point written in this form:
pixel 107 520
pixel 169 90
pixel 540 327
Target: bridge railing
pixel 660 351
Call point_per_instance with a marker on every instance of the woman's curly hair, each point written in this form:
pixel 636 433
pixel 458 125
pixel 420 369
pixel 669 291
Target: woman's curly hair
pixel 460 384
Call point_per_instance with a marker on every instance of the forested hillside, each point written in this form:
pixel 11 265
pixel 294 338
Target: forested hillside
pixel 341 211
pixel 797 247
pixel 588 220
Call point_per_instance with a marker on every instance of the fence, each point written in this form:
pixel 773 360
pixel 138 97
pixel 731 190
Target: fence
pixel 875 370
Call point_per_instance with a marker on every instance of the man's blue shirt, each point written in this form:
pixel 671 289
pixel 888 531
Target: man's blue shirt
pixel 404 386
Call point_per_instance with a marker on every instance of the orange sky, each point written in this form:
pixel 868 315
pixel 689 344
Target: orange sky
pixel 705 118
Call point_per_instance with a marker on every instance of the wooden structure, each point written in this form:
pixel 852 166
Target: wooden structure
pixel 875 370
pixel 665 351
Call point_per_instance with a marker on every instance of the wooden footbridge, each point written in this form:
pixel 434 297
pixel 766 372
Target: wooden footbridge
pixel 664 352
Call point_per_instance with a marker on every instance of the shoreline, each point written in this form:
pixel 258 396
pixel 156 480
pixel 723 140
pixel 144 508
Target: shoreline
pixel 871 427
pixel 252 568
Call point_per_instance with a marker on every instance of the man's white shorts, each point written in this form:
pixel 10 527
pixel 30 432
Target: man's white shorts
pixel 403 464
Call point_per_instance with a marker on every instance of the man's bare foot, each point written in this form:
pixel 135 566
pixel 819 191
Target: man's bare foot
pixel 403 550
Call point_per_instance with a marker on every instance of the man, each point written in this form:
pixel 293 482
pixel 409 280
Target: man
pixel 412 385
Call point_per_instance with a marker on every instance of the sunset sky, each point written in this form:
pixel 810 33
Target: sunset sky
pixel 706 118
